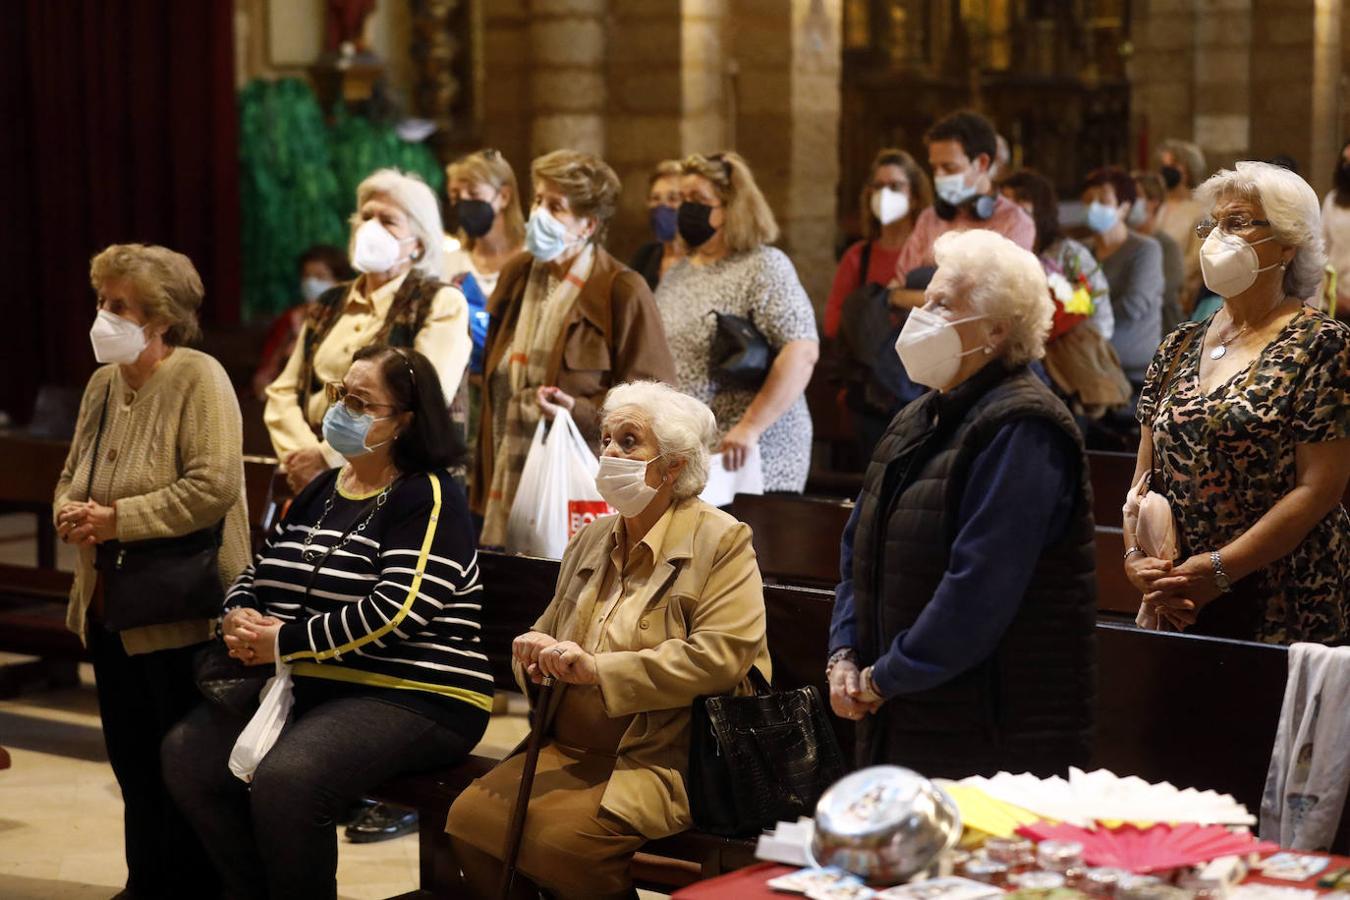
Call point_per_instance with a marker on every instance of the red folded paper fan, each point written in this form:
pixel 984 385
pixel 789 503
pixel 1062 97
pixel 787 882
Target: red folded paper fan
pixel 1153 849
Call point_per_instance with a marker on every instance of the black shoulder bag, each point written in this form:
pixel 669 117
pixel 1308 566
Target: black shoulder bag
pixel 740 353
pixel 160 580
pixel 757 760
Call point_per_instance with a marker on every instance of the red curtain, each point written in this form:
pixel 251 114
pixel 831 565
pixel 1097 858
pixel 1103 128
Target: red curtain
pixel 117 124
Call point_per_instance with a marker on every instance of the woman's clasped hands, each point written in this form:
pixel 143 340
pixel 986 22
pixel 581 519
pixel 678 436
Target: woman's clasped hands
pixel 250 636
pixel 543 655
pixel 1173 593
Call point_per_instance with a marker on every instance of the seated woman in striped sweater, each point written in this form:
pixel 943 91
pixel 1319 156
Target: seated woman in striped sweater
pixel 369 589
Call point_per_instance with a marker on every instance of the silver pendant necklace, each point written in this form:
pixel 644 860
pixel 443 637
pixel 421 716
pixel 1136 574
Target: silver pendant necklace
pixel 1220 351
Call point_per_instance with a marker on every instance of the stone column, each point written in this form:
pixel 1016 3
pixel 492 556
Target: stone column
pixel 506 84
pixel 566 55
pixel 1295 70
pixel 645 110
pixel 787 55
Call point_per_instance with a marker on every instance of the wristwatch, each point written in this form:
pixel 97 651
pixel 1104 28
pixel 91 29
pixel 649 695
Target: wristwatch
pixel 1221 579
pixel 1133 550
pixel 869 687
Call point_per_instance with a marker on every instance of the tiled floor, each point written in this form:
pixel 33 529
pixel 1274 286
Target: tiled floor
pixel 61 810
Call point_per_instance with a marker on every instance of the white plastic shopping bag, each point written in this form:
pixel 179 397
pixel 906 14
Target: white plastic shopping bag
pixel 557 494
pixel 264 728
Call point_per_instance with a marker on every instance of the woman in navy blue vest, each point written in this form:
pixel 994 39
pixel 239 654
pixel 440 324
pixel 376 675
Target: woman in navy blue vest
pixel 962 638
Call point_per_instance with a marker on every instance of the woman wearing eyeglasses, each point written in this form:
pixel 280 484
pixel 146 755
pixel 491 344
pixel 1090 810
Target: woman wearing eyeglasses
pixel 369 589
pixel 398 299
pixel 1248 413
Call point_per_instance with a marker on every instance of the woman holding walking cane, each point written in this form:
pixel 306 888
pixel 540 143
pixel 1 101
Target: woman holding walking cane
pixel 655 606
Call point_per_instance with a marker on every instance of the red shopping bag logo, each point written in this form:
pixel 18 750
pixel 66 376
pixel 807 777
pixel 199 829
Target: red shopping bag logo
pixel 581 513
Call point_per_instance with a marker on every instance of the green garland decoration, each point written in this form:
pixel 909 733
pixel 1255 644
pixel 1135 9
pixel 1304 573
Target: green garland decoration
pixel 297 182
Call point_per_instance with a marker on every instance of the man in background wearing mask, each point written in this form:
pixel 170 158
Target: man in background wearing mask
pixel 961 151
pixel 1182 167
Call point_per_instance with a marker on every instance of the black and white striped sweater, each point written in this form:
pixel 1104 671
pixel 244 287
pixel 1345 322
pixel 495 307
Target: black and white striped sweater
pixel 398 606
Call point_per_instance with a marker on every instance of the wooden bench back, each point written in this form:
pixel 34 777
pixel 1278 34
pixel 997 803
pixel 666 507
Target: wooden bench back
pixel 1196 711
pixel 796 538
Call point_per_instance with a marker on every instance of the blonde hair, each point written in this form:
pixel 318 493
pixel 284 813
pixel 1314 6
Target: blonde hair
pixel 586 180
pixel 489 167
pixel 666 168
pixel 749 220
pixel 920 189
pixel 418 201
pixel 1003 281
pixel 166 283
pixel 1189 155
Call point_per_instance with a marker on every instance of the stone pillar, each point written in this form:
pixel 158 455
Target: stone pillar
pixel 1223 81
pixel 566 54
pixel 1295 66
pixel 506 85
pixel 645 110
pixel 788 60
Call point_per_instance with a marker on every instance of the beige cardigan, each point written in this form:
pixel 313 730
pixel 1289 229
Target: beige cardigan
pixel 171 463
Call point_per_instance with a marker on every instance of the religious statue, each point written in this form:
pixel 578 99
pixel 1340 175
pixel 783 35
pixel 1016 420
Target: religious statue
pixel 345 26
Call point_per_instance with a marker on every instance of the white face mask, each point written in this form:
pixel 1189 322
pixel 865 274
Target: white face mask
pixel 953 188
pixel 117 340
pixel 889 206
pixel 1230 264
pixel 930 348
pixel 376 250
pixel 623 484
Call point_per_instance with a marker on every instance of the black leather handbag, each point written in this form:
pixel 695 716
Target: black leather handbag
pixel 740 352
pixel 161 580
pixel 227 682
pixel 757 760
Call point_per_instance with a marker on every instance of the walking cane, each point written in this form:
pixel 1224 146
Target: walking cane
pixel 516 828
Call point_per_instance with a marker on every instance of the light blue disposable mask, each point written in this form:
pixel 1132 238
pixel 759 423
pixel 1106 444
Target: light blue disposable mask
pixel 545 237
pixel 953 188
pixel 312 288
pixel 1101 218
pixel 346 433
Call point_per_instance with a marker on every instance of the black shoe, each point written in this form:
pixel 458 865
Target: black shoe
pixel 380 823
pixel 357 809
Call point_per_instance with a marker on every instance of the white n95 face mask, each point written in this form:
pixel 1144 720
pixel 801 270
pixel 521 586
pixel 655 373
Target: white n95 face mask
pixel 930 348
pixel 376 250
pixel 889 206
pixel 117 340
pixel 1229 264
pixel 623 484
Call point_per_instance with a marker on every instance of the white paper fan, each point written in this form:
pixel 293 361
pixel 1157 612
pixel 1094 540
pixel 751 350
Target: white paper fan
pixel 1090 796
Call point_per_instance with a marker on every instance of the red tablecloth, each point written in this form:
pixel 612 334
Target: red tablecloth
pixel 749 883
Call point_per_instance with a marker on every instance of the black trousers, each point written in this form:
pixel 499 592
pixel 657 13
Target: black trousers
pixel 139 699
pixel 277 838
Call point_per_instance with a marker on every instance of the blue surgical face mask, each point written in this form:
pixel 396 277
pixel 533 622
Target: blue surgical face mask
pixel 545 237
pixel 346 433
pixel 1101 218
pixel 663 221
pixel 312 288
pixel 953 188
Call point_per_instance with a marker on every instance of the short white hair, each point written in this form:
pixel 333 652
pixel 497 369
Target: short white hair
pixel 1004 282
pixel 1291 208
pixel 684 427
pixel 418 201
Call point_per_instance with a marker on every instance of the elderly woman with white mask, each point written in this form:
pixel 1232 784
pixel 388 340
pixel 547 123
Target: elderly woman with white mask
pixel 656 606
pixel 1245 431
pixel 154 468
pixel 962 636
pixel 397 300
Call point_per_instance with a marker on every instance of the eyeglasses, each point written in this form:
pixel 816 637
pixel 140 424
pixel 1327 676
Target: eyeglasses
pixel 337 393
pixel 1233 224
